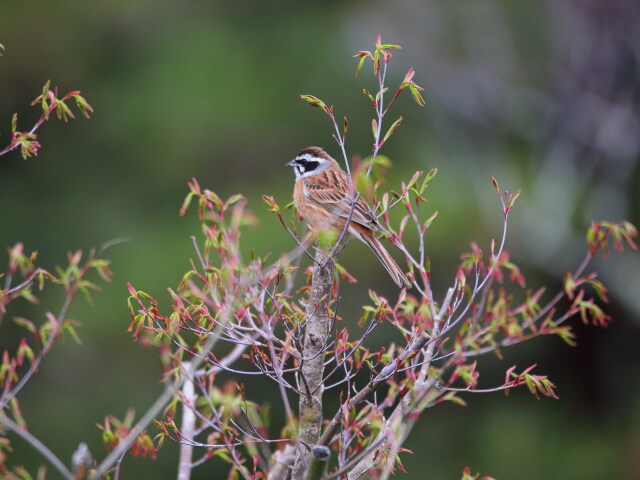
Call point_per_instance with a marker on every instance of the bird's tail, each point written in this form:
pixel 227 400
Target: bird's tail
pixel 392 267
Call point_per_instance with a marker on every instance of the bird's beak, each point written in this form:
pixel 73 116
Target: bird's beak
pixel 292 163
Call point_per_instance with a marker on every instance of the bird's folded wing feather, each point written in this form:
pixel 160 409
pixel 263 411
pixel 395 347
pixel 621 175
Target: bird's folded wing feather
pixel 330 191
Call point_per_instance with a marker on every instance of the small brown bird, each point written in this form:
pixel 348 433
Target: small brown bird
pixel 323 195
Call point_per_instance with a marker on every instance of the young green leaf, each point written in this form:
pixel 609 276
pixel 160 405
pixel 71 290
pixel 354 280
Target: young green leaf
pixel 366 92
pixel 392 129
pixel 415 92
pixel 429 221
pixel 432 173
pixel 495 185
pixel 363 55
pixel 83 105
pixel 376 61
pixel 313 101
pixel 360 63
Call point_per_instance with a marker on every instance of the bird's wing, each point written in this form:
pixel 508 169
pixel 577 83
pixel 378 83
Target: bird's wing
pixel 330 189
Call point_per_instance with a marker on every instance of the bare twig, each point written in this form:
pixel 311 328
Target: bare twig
pixel 37 444
pixel 372 386
pixel 157 406
pixel 53 334
pixel 403 418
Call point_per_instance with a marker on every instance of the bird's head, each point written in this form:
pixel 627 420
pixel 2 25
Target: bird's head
pixel 310 161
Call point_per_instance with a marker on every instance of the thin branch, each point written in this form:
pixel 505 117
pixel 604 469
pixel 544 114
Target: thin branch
pixel 166 396
pixel 53 335
pixel 401 420
pixel 371 387
pixel 116 475
pixel 52 96
pixel 38 445
pixel 487 277
pixel 382 73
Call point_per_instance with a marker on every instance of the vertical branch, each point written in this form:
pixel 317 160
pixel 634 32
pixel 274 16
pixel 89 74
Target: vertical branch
pixel 81 461
pixel 312 365
pixel 167 394
pixel 281 462
pixel 380 111
pixel 188 425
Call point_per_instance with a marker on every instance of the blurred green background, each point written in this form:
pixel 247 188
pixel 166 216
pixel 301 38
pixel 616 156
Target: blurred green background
pixel 542 95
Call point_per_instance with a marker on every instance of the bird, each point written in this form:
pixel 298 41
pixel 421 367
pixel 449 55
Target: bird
pixel 323 195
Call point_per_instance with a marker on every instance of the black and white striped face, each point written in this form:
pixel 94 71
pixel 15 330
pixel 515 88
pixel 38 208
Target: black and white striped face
pixel 308 163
